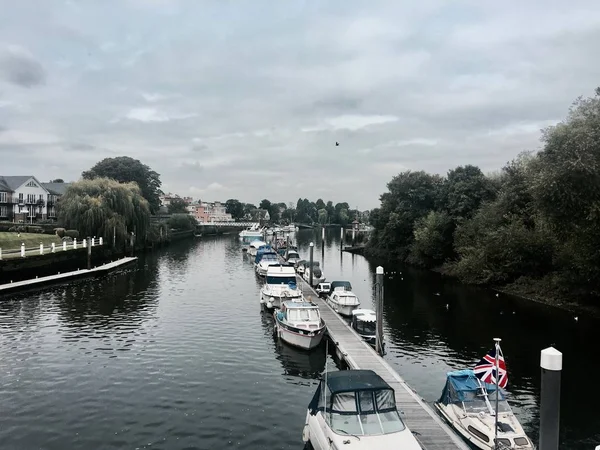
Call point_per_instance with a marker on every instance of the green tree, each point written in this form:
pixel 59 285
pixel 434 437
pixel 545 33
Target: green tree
pixel 57 180
pixel 322 216
pixel 464 190
pixel 124 170
pixel 182 222
pixel 235 208
pixel 177 206
pixel 432 239
pixel 100 206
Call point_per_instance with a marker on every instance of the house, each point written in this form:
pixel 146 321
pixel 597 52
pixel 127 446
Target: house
pixel 25 199
pixel 206 212
pixel 260 215
pixel 165 199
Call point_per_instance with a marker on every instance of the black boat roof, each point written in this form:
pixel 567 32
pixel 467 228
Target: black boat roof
pixel 355 380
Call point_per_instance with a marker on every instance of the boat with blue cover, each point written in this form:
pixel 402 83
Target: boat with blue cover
pixel 265 257
pixel 280 285
pixel 468 405
pixel 299 323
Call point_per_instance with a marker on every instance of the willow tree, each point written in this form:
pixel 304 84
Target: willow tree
pixel 102 206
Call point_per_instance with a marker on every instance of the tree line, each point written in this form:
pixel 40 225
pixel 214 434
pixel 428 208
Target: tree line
pixel 304 211
pixel 533 228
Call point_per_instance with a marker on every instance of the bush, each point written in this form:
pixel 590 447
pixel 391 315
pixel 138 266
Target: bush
pixel 182 222
pixel 74 234
pixel 60 232
pixel 34 229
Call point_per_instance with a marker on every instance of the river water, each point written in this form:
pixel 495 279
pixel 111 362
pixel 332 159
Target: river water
pixel 174 353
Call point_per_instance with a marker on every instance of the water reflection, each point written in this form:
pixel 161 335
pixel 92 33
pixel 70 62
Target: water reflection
pixel 300 363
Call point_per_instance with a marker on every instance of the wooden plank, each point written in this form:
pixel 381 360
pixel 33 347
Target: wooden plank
pixel 429 429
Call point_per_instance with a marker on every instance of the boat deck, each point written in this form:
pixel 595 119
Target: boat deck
pixel 429 429
pixel 35 283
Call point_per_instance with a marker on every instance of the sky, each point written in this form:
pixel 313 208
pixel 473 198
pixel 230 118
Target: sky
pixel 246 99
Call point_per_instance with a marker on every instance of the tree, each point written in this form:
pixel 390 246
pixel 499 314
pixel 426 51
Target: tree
pixel 182 222
pixel 432 239
pixel 265 204
pixel 124 170
pixel 57 180
pixel 235 208
pixel 177 206
pixel 322 216
pixel 464 190
pixel 102 206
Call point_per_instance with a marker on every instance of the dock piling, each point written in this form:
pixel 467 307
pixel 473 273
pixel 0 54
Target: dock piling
pixel 312 247
pixel 379 309
pixel 551 365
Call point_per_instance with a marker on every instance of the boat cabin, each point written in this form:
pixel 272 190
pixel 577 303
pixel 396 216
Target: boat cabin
pixel 301 314
pixel 340 285
pixel 281 274
pixel 364 322
pixel 323 289
pixel 357 402
pixel 265 253
pixel 464 389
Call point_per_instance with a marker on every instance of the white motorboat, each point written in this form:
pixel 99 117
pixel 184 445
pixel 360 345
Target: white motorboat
pixel 300 266
pixel 364 322
pixel 264 259
pixel 323 289
pixel 468 405
pixel 280 285
pixel 356 409
pixel 249 235
pixel 292 256
pixel 299 323
pixel 317 273
pixel 254 246
pixel 343 301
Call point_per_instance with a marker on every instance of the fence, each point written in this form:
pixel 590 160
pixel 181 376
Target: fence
pixel 23 251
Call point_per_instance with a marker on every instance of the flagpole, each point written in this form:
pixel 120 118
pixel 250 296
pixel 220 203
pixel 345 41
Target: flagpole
pixel 497 341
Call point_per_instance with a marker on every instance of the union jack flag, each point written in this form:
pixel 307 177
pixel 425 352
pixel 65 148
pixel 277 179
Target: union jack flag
pixel 485 370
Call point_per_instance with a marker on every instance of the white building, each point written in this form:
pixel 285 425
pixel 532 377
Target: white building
pixel 23 199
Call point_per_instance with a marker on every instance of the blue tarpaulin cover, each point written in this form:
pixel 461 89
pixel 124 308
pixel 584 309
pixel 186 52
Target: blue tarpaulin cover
pixel 463 386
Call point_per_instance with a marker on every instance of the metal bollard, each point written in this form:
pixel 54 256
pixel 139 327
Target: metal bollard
pixel 551 365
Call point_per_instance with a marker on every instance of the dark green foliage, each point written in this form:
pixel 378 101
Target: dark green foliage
pixel 125 170
pixel 235 208
pixel 537 223
pixel 60 232
pixel 177 206
pixel 73 234
pixel 182 222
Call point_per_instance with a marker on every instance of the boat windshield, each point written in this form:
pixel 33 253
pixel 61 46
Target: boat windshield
pixel 367 328
pixel 282 280
pixel 303 314
pixel 474 402
pixel 268 257
pixel 365 413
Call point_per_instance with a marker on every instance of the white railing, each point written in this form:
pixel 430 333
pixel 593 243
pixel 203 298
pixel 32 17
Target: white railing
pixel 52 248
pixel 229 224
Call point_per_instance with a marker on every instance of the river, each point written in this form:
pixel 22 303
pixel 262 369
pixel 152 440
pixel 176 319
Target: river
pixel 174 353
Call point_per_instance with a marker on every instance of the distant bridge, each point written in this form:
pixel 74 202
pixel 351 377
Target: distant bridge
pixel 228 224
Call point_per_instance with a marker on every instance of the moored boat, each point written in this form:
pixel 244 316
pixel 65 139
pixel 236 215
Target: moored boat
pixel 265 257
pixel 468 404
pixel 343 302
pixel 280 285
pixel 292 256
pixel 317 273
pixel 254 246
pixel 299 324
pixel 356 409
pixel 249 235
pixel 364 322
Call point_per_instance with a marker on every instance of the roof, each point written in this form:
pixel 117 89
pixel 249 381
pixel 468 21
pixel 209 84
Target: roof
pixel 366 315
pixel 355 380
pixel 293 305
pixel 339 283
pixel 14 182
pixel 56 188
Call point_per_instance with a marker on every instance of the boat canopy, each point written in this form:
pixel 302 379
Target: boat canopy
pixel 462 386
pixel 265 249
pixel 343 285
pixel 365 315
pixel 357 402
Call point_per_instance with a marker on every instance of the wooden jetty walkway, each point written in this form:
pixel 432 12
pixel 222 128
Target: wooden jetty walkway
pixel 36 283
pixel 429 429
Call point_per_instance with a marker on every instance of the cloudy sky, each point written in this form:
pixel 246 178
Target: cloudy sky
pixel 246 99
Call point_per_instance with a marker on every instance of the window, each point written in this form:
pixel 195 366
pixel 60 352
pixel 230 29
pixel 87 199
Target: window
pixel 475 432
pixel 3 211
pixel 3 197
pixel 30 198
pixel 305 314
pixel 31 184
pixel 41 197
pixel 20 197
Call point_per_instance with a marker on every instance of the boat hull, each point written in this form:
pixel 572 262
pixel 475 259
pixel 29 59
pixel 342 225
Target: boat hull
pixel 343 310
pixel 293 337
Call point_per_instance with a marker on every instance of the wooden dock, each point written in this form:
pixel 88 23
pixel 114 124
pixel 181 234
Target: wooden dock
pixel 429 428
pixel 37 283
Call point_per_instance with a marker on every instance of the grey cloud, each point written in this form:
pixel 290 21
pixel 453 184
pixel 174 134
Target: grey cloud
pixel 19 67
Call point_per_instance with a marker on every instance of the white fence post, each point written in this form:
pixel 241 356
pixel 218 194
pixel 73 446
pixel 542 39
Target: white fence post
pixel 23 250
pixel 0 253
pixel 84 242
pixel 93 241
pixel 75 243
pixel 41 249
pixel 53 247
pixel 64 246
pixel 101 240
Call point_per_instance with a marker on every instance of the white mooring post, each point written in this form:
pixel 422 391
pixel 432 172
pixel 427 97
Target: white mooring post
pixel 379 310
pixel 41 248
pixel 551 365
pixel 23 250
pixel 64 246
pixel 53 247
pixel 312 247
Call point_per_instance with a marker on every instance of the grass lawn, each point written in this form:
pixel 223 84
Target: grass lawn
pixel 11 240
